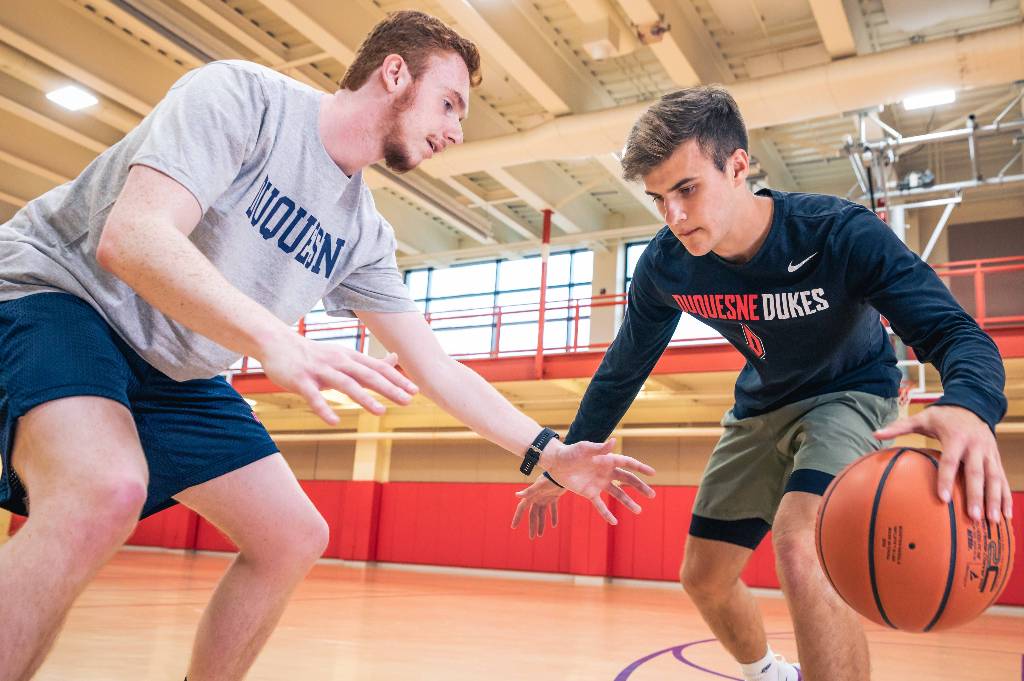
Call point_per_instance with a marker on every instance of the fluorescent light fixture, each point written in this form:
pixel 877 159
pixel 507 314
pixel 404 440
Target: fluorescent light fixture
pixel 928 99
pixel 71 97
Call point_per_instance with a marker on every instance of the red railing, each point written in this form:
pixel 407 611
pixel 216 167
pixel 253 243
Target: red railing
pixel 1006 273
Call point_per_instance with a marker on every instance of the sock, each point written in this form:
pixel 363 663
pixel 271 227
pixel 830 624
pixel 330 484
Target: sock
pixel 761 670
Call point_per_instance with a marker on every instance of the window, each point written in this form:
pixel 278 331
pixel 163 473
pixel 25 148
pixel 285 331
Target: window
pixel 514 285
pixel 689 328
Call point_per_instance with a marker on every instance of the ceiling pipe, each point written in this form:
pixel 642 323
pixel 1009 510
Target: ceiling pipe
pixel 982 59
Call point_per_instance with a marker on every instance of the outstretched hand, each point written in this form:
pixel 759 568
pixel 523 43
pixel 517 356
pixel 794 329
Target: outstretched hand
pixel 588 469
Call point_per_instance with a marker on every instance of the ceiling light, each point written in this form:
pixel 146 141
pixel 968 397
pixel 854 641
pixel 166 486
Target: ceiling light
pixel 928 99
pixel 72 97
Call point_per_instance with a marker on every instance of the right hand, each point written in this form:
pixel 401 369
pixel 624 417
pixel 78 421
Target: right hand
pixel 306 367
pixel 588 469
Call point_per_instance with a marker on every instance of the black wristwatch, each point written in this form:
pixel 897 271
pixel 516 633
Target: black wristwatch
pixel 533 453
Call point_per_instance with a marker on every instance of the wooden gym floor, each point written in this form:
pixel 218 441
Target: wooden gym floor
pixel 349 623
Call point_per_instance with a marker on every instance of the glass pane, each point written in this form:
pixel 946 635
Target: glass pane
pixel 558 269
pixel 518 337
pixel 633 252
pixel 560 293
pixel 555 334
pixel 530 297
pixel 462 303
pixel 690 327
pixel 583 334
pixel 416 280
pixel 465 341
pixel 524 273
pixel 455 281
pixel 582 266
pixel 581 291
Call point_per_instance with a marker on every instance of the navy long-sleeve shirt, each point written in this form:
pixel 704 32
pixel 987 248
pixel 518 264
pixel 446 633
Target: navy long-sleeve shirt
pixel 804 311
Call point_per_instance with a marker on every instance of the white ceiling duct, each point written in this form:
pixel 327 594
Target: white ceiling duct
pixel 911 16
pixel 981 59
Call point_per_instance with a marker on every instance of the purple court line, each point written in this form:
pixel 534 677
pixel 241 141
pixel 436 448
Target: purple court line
pixel 677 652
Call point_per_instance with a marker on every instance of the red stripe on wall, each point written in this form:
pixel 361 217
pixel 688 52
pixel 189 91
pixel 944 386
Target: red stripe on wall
pixel 468 525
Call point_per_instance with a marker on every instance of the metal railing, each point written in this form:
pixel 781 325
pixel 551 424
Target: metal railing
pixel 976 299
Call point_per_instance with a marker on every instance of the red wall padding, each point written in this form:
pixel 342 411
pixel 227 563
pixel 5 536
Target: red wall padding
pixel 468 525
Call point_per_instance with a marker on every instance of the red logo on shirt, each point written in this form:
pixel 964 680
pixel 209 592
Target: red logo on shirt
pixel 753 342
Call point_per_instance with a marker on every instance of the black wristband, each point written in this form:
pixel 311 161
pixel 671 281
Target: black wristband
pixel 532 455
pixel 557 484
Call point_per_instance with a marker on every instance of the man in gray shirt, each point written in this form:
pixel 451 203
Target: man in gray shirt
pixel 199 237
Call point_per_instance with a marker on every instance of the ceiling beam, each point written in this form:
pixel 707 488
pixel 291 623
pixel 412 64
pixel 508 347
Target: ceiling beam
pixel 315 20
pixel 51 125
pixel 80 48
pixel 12 200
pixel 483 205
pixel 533 199
pixel 763 149
pixel 543 81
pixel 44 79
pixel 379 177
pixel 613 165
pixel 687 53
pixel 33 168
pixel 834 26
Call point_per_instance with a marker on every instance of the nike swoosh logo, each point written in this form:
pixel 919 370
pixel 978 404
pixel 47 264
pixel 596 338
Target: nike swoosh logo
pixel 794 268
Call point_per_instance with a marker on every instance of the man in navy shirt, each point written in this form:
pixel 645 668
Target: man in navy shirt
pixel 796 283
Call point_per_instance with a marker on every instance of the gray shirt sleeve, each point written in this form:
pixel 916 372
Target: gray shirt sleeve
pixel 203 130
pixel 375 286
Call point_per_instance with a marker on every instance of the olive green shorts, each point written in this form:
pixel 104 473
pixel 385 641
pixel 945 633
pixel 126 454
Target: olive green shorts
pixel 799 447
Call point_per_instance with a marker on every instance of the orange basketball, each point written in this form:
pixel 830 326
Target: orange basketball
pixel 901 557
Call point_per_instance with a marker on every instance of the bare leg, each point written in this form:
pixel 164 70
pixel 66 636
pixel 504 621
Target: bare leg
pixel 711 576
pixel 829 634
pixel 280 534
pixel 81 461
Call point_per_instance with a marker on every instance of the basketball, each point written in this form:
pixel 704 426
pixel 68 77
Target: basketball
pixel 898 555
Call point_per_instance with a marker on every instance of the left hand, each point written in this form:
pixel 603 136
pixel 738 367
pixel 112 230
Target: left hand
pixel 590 468
pixel 964 438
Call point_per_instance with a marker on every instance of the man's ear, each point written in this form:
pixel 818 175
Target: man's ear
pixel 739 165
pixel 394 72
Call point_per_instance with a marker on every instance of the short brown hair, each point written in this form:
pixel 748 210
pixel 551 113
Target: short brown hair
pixel 415 37
pixel 707 114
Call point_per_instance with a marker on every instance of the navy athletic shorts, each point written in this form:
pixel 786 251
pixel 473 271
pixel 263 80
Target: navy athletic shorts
pixel 55 345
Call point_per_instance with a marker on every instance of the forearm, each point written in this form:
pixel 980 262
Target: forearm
pixel 169 272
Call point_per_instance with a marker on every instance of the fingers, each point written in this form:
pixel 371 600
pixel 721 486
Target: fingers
pixel 948 466
pixel 602 509
pixel 974 482
pixel 901 427
pixel 554 513
pixel 541 518
pixel 332 378
pixel 518 515
pixel 386 368
pixel 626 478
pixel 534 517
pixel 623 498
pixel 317 403
pixel 994 479
pixel 380 381
pixel 1007 499
pixel 629 463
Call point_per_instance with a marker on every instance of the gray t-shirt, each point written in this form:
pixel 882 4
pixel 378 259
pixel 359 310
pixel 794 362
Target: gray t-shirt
pixel 280 220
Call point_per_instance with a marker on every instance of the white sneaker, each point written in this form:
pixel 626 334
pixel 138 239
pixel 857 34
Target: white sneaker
pixel 788 671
